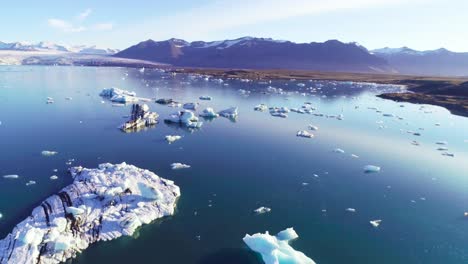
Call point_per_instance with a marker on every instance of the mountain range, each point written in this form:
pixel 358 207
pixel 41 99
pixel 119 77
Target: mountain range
pixel 332 55
pixel 259 53
pixel 52 47
pixel 440 62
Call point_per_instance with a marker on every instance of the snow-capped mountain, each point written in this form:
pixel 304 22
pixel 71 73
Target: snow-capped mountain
pixel 430 62
pixel 53 47
pixel 258 53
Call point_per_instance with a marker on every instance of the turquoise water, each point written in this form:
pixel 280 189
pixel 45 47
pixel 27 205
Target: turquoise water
pixel 239 166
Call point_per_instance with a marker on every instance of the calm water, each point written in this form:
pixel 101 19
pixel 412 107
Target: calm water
pixel 239 166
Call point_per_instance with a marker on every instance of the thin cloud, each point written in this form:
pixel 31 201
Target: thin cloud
pixel 85 14
pixel 223 14
pixel 64 25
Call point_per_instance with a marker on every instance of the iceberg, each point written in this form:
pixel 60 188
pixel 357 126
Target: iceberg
pixel 338 150
pixel 184 117
pixel 191 106
pixel 48 153
pixel 261 108
pixel 88 211
pixel 262 210
pixel 276 249
pixel 54 177
pixel 314 128
pixel 304 134
pixel 209 113
pixel 119 96
pixel 351 210
pixel 29 183
pixel 229 113
pixel 172 138
pixel 11 176
pixel 179 166
pixel 165 101
pixel 375 223
pixel 371 169
pixel 140 117
pixel 206 98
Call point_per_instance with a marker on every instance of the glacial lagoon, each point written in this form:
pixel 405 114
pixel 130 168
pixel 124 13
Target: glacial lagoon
pixel 369 159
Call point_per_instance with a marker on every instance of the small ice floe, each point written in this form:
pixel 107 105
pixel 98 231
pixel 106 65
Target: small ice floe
pixel 276 249
pixel 174 104
pixel 165 101
pixel 68 98
pixel 141 117
pixel 1 215
pixel 304 134
pixel 206 98
pixel 172 138
pixel 11 176
pixel 465 214
pixel 447 154
pixel 262 210
pixel 30 183
pixel 54 177
pixel 191 106
pixel 48 153
pixel 354 156
pixel 119 96
pixel 339 151
pixel 261 108
pixel 371 169
pixel 142 70
pixel 443 143
pixel 375 223
pixel 314 128
pixel 178 166
pixel 186 118
pixel 229 113
pixel 276 114
pixel 209 113
pixel 50 100
pixel 415 143
pixel 351 210
pixel 442 149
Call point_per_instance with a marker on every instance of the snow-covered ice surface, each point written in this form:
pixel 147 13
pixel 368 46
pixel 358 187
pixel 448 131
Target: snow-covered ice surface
pixel 100 205
pixel 276 249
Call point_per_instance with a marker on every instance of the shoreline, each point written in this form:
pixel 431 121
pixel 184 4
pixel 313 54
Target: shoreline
pixel 448 92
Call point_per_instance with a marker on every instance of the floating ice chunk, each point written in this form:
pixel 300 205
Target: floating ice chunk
pixel 371 169
pixel 261 108
pixel 206 98
pixel 441 143
pixel 262 210
pixel 447 154
pixel 48 153
pixel 54 177
pixel 191 106
pixel 68 98
pixel 287 234
pixel 304 134
pixel 141 117
pixel 1 215
pixel 30 183
pixel 172 138
pixel 165 101
pixel 276 249
pixel 11 176
pixel 276 114
pixel 118 95
pixel 49 234
pixel 142 70
pixel 229 113
pixel 375 223
pixel 178 166
pixel 209 113
pixel 338 150
pixel 352 210
pixel 355 156
pixel 314 128
pixel 184 117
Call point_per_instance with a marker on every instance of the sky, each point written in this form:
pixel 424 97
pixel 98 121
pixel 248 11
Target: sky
pixel 418 24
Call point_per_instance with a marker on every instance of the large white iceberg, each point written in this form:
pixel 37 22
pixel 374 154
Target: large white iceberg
pixel 100 205
pixel 184 117
pixel 140 117
pixel 119 96
pixel 276 249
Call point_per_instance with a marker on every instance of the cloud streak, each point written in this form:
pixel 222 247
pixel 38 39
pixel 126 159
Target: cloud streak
pixel 69 27
pixel 225 14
